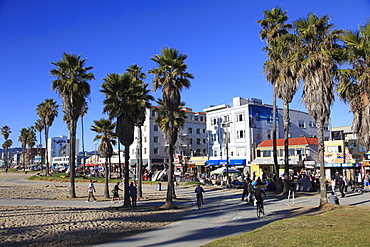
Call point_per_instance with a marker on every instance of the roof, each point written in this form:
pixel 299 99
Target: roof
pixel 292 142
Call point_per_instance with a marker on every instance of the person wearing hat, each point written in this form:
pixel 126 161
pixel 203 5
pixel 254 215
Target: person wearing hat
pixel 91 191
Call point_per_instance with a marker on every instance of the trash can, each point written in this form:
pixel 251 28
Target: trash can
pixel 158 186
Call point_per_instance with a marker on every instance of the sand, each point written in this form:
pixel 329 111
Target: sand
pixel 57 226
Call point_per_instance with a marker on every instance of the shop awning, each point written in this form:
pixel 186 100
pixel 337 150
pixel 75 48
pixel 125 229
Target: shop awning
pixel 198 160
pixel 238 162
pixel 216 162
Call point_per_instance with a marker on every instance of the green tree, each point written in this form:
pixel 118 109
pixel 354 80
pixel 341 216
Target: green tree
pixel 136 73
pixel 124 101
pixel 5 131
pixel 162 120
pixel 47 112
pixel 72 84
pixel 353 86
pixel 274 28
pixel 105 130
pixel 319 48
pixel 170 76
pixel 23 140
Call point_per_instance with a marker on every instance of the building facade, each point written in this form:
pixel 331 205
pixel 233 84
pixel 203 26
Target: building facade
pixel 58 150
pixel 191 141
pixel 248 122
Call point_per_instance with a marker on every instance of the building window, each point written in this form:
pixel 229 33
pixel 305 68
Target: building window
pixel 257 116
pixel 204 141
pixel 190 117
pixel 153 113
pixel 155 150
pixel 312 124
pixel 258 136
pixel 198 141
pixel 240 117
pixel 204 131
pixel 334 149
pixel 155 139
pixel 133 151
pixel 190 141
pixel 196 118
pixel 144 138
pixel 215 153
pixel 240 134
pixel 198 131
pixel 155 127
pixel 214 121
pixel 301 124
pixel 226 118
pixel 326 127
pixel 268 117
pixel 190 131
pixel 144 150
pixel 201 118
pixel 214 137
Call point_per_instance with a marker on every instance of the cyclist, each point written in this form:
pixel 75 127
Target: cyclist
pixel 258 195
pixel 199 190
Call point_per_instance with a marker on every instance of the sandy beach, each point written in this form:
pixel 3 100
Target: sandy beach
pixel 41 226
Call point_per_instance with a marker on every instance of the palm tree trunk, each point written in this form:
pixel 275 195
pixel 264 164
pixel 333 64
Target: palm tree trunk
pixel 106 179
pixel 72 155
pixel 119 160
pixel 278 188
pixel 83 144
pixel 320 135
pixel 46 151
pixel 169 203
pixel 140 164
pixel 126 202
pixel 286 147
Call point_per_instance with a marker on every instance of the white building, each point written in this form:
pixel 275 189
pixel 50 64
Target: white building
pixel 249 122
pixel 191 141
pixel 58 150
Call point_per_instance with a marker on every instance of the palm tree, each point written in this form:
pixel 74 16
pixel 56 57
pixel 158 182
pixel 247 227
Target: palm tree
pixel 171 77
pixel 83 112
pixel 125 98
pixel 31 141
pixel 354 82
pixel 39 126
pixel 274 26
pixel 105 130
pixel 5 131
pixel 137 75
pixel 162 120
pixel 319 48
pixel 72 84
pixel 6 145
pixel 23 140
pixel 47 112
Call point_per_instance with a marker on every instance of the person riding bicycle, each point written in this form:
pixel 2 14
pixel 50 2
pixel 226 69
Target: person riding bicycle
pixel 199 190
pixel 258 195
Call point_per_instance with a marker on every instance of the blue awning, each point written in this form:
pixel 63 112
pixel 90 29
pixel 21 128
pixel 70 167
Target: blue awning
pixel 238 162
pixel 216 162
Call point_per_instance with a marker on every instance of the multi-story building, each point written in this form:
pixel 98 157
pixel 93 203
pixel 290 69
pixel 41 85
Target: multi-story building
pixel 191 141
pixel 58 150
pixel 249 122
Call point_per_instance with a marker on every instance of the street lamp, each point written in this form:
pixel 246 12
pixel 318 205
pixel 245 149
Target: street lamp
pixel 226 125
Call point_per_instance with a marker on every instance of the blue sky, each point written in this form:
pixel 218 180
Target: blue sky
pixel 220 37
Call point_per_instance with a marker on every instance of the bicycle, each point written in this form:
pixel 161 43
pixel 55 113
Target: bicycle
pixel 199 200
pixel 259 209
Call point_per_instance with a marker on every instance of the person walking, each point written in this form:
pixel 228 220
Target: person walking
pixel 133 194
pixel 333 184
pixel 341 187
pixel 245 189
pixel 115 192
pixel 91 190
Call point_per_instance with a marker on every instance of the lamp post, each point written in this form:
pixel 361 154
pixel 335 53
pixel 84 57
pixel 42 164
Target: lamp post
pixel 226 125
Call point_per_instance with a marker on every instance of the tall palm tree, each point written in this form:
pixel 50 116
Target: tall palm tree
pixel 39 126
pixel 170 76
pixel 72 84
pixel 47 112
pixel 319 48
pixel 23 140
pixel 5 131
pixel 6 145
pixel 162 120
pixel 31 141
pixel 125 98
pixel 105 130
pixel 354 82
pixel 83 113
pixel 136 73
pixel 274 26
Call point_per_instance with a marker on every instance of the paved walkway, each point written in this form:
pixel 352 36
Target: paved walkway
pixel 223 214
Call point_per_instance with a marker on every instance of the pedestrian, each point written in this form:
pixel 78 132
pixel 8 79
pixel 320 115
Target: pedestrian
pixel 91 190
pixel 133 194
pixel 341 187
pixel 333 184
pixel 346 183
pixel 115 192
pixel 333 199
pixel 250 192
